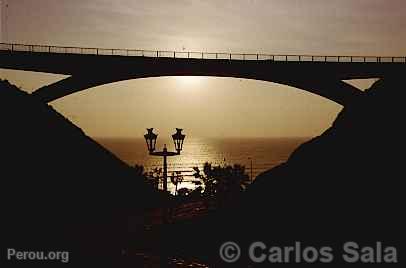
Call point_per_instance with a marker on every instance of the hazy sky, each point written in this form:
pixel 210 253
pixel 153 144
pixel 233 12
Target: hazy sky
pixel 203 106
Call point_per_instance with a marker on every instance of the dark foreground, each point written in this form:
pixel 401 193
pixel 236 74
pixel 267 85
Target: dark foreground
pixel 70 193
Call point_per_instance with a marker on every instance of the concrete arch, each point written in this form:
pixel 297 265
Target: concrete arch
pixel 86 71
pixel 330 88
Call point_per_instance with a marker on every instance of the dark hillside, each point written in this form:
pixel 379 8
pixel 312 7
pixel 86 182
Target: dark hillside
pixel 57 183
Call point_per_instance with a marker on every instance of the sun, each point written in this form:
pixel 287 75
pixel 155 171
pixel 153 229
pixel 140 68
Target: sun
pixel 188 80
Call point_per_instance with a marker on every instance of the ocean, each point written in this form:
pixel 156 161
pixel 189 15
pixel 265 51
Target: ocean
pixel 265 153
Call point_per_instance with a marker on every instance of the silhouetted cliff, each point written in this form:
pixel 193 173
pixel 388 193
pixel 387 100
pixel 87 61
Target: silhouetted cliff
pixel 58 183
pixel 352 172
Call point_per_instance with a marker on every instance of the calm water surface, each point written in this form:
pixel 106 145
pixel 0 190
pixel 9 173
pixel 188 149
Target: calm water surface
pixel 265 153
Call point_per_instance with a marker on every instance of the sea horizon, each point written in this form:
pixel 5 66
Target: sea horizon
pixel 264 152
pixel 209 137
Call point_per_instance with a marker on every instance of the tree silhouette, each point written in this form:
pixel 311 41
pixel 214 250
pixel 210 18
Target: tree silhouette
pixel 222 182
pixel 152 177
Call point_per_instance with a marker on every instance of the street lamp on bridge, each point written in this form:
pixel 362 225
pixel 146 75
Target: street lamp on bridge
pixel 178 139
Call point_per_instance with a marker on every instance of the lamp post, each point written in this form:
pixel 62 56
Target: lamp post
pixel 178 139
pixel 250 168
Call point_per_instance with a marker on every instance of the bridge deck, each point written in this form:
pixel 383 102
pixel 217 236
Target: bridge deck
pixel 198 55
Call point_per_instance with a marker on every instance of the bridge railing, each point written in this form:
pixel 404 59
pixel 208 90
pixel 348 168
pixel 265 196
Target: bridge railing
pixel 196 55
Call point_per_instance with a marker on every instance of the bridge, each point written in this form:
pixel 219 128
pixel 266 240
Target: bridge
pixel 89 67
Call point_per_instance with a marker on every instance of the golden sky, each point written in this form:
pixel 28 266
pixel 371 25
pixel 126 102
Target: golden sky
pixel 203 106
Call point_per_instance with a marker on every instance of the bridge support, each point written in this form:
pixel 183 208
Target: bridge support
pixel 72 84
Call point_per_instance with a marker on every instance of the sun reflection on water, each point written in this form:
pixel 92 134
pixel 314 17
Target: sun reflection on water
pixel 265 152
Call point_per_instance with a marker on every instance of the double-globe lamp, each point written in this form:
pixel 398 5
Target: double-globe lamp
pixel 178 139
